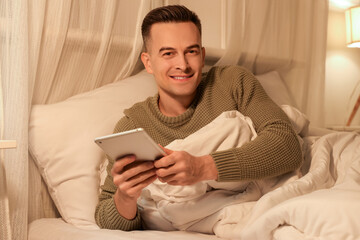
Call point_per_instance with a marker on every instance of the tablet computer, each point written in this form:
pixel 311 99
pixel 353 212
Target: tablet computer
pixel 135 141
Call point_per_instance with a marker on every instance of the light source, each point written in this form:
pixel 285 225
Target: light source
pixel 352 18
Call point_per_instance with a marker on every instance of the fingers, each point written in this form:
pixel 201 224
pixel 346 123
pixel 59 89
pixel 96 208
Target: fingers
pixel 171 170
pixel 174 169
pixel 166 150
pixel 134 185
pixel 180 168
pixel 119 164
pixel 135 190
pixel 133 170
pixel 174 163
pixel 164 162
pixel 168 160
pixel 175 179
pixel 132 176
pixel 169 179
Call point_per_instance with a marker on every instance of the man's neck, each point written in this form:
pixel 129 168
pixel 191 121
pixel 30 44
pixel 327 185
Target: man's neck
pixel 173 107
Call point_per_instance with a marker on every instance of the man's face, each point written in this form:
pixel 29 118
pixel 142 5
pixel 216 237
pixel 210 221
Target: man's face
pixel 175 56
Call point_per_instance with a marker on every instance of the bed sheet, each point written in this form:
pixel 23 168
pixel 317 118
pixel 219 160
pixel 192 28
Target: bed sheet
pixel 57 229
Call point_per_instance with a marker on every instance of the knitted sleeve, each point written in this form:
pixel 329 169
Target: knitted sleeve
pixel 275 151
pixel 106 214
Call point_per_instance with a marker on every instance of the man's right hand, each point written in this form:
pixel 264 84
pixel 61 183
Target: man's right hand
pixel 131 177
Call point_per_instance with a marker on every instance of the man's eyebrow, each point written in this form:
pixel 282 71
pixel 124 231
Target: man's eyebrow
pixel 166 49
pixel 171 48
pixel 194 46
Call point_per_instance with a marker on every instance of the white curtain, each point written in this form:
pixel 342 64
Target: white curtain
pixel 79 45
pixel 287 36
pixel 15 101
pixel 51 50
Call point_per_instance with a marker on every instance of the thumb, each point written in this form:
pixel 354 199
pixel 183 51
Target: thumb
pixel 166 150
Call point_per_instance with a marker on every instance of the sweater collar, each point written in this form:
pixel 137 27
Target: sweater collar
pixel 182 118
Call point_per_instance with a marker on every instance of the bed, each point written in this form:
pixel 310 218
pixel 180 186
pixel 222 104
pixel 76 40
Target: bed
pixel 319 201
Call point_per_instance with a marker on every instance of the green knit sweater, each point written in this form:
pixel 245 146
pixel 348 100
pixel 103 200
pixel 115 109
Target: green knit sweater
pixel 275 151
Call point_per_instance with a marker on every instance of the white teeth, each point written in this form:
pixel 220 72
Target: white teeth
pixel 179 78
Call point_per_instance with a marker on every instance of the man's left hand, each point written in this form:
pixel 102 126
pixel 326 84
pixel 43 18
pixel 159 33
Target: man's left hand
pixel 182 168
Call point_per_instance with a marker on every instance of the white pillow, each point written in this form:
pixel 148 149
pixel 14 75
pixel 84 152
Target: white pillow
pixel 61 139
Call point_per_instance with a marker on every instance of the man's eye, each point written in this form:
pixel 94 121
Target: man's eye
pixel 193 52
pixel 167 54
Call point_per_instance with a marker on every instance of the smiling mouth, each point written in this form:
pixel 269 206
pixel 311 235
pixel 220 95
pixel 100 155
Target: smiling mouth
pixel 182 77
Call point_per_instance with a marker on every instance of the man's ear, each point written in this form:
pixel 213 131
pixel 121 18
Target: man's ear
pixel 145 58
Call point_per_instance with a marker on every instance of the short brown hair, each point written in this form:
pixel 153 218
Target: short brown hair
pixel 166 14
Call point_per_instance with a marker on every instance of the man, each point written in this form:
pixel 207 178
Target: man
pixel 187 100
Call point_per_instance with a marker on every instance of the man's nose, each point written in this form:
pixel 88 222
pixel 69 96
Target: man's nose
pixel 182 62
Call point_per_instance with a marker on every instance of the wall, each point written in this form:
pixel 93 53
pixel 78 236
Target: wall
pixel 342 73
pixel 214 31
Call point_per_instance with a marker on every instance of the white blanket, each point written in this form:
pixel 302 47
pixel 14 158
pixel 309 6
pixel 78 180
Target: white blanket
pixel 322 205
pixel 200 207
pixel 295 210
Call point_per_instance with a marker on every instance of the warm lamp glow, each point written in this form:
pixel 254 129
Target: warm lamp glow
pixel 352 16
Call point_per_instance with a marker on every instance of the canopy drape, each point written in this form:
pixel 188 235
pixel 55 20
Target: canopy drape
pixel 286 36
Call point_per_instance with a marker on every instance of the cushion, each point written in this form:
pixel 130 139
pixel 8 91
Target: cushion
pixel 61 139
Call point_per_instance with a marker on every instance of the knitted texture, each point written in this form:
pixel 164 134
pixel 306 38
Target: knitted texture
pixel 275 151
